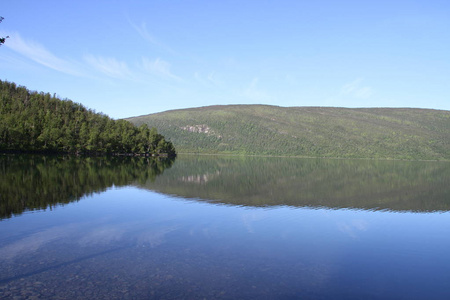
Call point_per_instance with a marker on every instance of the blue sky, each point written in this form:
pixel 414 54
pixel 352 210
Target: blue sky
pixel 129 58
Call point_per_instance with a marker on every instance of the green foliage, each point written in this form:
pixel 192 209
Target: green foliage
pixel 390 133
pixel 29 182
pixel 31 121
pixel 414 186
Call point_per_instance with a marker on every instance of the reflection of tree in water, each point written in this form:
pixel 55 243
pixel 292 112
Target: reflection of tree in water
pixel 418 186
pixel 30 182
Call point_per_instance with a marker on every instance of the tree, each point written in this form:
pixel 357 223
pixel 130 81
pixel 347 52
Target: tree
pixel 2 39
pixel 32 121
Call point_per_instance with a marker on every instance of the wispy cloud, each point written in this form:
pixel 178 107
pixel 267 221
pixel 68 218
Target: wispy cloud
pixel 357 89
pixel 91 66
pixel 212 79
pixel 109 66
pixel 253 92
pixel 158 67
pixel 39 54
pixel 35 241
pixel 199 78
pixel 145 34
pixel 248 219
pixel 353 227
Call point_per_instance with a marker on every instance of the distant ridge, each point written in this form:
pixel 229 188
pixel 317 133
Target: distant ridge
pixel 389 133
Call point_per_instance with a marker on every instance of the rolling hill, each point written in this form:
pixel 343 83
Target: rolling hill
pixel 386 185
pixel 390 133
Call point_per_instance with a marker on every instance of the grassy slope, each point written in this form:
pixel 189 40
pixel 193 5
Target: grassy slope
pixel 402 133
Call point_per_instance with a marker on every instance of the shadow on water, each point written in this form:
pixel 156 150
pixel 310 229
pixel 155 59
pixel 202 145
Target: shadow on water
pixel 32 182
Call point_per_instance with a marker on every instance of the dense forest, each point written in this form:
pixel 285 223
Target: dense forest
pixel 39 122
pixel 387 185
pixel 380 133
pixel 32 182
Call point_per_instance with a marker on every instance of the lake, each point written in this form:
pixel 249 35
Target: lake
pixel 217 227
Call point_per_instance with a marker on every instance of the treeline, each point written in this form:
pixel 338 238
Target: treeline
pixel 388 133
pixel 386 185
pixel 33 182
pixel 39 122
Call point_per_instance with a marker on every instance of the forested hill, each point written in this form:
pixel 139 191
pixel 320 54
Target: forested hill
pixel 38 122
pixel 391 133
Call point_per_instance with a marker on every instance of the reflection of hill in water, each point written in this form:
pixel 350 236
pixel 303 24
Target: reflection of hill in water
pixel 359 184
pixel 29 182
pixel 39 182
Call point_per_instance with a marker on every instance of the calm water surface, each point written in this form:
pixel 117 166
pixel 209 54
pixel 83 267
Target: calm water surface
pixel 223 228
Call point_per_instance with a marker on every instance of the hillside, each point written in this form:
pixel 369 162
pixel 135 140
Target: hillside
pixel 388 185
pixel 397 133
pixel 37 122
